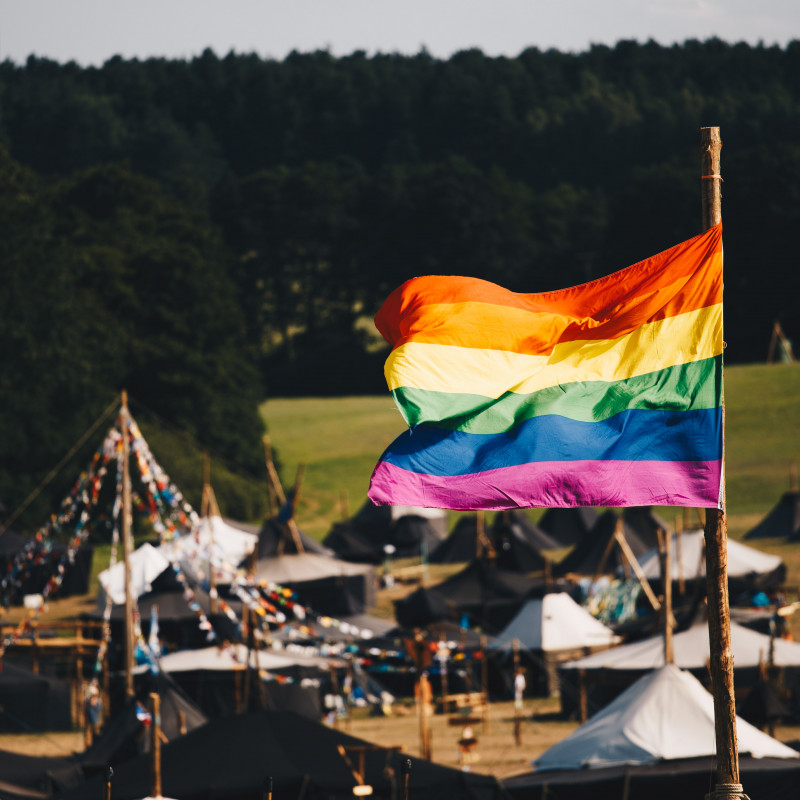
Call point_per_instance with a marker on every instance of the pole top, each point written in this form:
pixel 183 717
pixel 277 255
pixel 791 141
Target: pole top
pixel 124 398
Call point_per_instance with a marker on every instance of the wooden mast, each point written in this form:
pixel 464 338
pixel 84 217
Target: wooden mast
pixel 716 538
pixel 127 545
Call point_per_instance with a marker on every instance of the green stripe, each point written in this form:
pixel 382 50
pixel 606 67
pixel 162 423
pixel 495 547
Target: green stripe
pixel 683 387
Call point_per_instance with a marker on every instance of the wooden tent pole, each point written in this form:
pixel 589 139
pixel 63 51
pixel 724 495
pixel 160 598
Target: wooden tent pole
pixel 127 544
pixel 155 746
pixel 209 509
pixel 665 554
pixel 271 497
pixel 716 537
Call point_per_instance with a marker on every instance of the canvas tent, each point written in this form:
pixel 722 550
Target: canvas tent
pixel 212 540
pixel 612 670
pixel 568 526
pixel 125 735
pixel 749 570
pixel 329 585
pixel 24 777
pixel 551 630
pixel 518 542
pixel 773 778
pixel 487 596
pixel 213 677
pixel 33 703
pixel 515 541
pixel 412 531
pixel 28 567
pixel 461 544
pixel 596 552
pixel 276 538
pixel 666 714
pixel 782 522
pixel 231 758
pixel 655 743
pixel 146 564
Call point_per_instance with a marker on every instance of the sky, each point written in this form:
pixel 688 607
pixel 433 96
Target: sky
pixel 92 31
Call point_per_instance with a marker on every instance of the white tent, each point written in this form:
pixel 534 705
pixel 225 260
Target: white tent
pixel 146 563
pixel 292 568
pixel 742 560
pixel 226 543
pixel 552 623
pixel 666 714
pixel 691 651
pixel 236 657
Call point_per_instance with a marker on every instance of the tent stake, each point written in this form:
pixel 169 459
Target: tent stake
pixel 716 538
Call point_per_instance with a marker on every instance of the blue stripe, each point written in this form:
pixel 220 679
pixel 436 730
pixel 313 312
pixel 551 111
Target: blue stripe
pixel 634 435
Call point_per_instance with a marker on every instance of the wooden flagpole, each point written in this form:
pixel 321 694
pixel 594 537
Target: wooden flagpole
pixel 127 544
pixel 716 539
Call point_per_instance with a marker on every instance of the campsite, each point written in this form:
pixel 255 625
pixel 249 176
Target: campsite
pixel 468 585
pixel 372 427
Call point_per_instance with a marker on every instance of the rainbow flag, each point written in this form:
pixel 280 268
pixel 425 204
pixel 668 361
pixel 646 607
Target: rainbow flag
pixel 604 394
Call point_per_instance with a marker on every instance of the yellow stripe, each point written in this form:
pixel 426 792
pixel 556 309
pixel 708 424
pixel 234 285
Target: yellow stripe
pixel 445 368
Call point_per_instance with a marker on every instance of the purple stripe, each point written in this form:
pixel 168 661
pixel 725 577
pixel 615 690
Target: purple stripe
pixel 554 484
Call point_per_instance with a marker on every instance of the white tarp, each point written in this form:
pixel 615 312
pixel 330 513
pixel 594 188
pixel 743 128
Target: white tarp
pixel 667 714
pixel 235 657
pixel 691 651
pixel 293 568
pixel 554 622
pixel 146 562
pixel 742 560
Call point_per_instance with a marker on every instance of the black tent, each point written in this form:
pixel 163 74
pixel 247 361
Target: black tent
pixel 125 735
pixel 232 758
pixel 461 544
pixel 515 539
pixel 24 777
pixel 517 542
pixel 773 778
pixel 645 523
pixel 412 532
pixel 587 557
pixel 275 538
pixel 33 703
pixel 33 566
pixel 487 595
pixel 568 526
pixel 782 522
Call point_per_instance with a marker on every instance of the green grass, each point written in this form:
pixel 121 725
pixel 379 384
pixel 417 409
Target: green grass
pixel 340 439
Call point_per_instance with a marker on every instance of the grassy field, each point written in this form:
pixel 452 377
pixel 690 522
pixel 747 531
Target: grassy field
pixel 340 439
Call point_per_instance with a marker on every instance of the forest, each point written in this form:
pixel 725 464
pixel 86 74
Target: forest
pixel 211 232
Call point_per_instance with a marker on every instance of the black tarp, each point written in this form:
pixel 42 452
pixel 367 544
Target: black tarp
pixel 762 778
pixel 782 522
pixel 232 758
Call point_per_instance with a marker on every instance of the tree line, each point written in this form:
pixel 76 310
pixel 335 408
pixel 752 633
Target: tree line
pixel 213 231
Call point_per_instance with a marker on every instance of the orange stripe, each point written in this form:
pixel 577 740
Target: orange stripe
pixel 468 312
